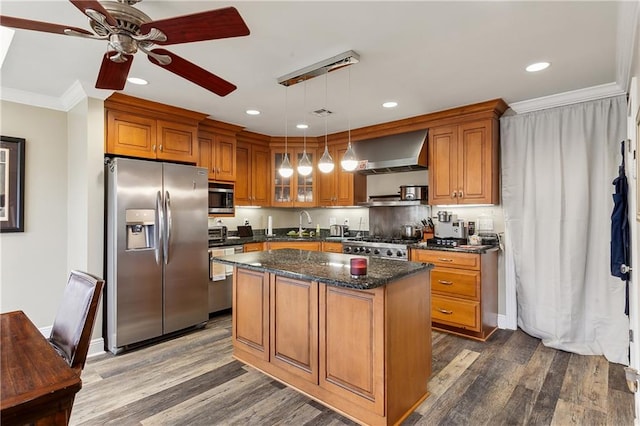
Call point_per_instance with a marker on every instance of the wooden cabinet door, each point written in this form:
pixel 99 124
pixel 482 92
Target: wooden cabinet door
pixel 225 158
pixel 475 163
pixel 248 247
pixel 443 171
pixel 344 186
pixel 177 142
pixel 296 245
pixel 331 247
pixel 260 172
pixel 250 331
pixel 352 337
pixel 305 192
pixel 294 326
pixel 205 153
pixel 243 174
pixel 131 135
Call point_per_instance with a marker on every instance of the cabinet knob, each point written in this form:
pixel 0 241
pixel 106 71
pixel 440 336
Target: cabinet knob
pixel 454 194
pixel 460 194
pixel 160 147
pixel 154 148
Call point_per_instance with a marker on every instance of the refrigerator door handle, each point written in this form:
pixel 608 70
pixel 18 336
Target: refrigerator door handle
pixel 159 226
pixel 167 240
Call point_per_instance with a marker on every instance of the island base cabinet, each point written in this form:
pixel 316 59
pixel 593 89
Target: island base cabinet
pixel 365 354
pixel 250 315
pixel 352 357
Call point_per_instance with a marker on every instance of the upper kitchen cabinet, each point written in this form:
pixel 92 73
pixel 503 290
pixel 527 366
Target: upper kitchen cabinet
pixel 297 190
pixel 464 166
pixel 340 188
pixel 144 129
pixel 253 166
pixel 217 146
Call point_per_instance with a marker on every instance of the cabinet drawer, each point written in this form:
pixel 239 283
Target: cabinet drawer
pixel 456 312
pixel 456 282
pixel 448 259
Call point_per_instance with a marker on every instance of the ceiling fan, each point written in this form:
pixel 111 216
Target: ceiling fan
pixel 128 30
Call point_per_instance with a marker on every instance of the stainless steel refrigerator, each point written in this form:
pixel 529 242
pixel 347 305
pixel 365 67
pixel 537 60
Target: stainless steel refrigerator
pixel 156 250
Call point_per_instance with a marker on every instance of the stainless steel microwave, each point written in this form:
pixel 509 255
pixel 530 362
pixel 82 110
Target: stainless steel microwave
pixel 221 198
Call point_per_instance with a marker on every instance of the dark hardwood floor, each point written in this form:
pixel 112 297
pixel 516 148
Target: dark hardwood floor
pixel 510 380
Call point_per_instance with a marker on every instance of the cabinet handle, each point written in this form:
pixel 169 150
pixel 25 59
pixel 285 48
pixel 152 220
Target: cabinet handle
pixel 454 194
pixel 154 148
pixel 442 259
pixel 460 194
pixel 443 282
pixel 160 147
pixel 444 311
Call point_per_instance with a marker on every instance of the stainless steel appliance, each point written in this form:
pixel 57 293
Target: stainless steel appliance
pixel 449 226
pixel 221 198
pixel 388 248
pixel 338 231
pixel 218 233
pixel 221 278
pixel 155 250
pixel 413 192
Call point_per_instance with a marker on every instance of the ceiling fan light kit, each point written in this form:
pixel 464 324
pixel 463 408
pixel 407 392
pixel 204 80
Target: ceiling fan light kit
pixel 128 30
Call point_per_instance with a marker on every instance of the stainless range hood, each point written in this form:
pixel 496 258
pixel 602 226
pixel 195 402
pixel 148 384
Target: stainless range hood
pixel 403 152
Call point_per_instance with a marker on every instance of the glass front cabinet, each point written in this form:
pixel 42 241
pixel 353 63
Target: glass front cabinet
pixel 297 190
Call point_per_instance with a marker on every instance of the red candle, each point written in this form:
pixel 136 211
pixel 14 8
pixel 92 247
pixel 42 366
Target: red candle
pixel 358 266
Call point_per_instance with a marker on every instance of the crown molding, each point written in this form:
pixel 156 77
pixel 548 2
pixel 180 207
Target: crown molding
pixel 75 93
pixel 567 98
pixel 628 24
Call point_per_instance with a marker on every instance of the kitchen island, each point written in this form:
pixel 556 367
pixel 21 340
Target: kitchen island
pixel 361 346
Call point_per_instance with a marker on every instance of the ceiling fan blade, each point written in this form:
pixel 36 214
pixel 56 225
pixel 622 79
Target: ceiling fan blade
pixel 26 24
pixel 211 25
pixel 83 5
pixel 194 73
pixel 113 75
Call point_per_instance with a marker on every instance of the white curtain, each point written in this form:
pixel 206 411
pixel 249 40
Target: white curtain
pixel 557 171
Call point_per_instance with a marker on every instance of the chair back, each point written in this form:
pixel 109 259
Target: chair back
pixel 73 325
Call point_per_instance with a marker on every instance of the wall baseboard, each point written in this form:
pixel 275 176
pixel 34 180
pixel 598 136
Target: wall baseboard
pixel 96 347
pixel 505 324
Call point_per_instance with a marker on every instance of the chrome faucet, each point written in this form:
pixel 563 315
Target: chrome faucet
pixel 308 218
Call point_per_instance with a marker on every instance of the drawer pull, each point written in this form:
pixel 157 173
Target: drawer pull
pixel 444 311
pixel 443 282
pixel 442 259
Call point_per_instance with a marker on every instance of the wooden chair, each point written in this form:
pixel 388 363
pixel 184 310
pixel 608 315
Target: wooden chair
pixel 73 325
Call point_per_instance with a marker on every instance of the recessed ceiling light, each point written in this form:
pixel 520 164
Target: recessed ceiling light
pixel 390 104
pixel 136 80
pixel 253 112
pixel 538 66
pixel 302 126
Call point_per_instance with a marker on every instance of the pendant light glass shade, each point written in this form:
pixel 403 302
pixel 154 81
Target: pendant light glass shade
pixel 285 169
pixel 304 166
pixel 349 161
pixel 326 162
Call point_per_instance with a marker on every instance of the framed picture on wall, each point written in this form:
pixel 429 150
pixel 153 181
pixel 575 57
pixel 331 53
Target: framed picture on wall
pixel 11 184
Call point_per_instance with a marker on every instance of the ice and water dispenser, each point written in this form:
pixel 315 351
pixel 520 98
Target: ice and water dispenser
pixel 141 224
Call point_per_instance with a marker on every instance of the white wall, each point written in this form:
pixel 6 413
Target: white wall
pixel 63 207
pixel 33 264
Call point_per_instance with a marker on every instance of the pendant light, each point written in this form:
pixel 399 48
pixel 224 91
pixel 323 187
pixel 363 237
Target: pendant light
pixel 326 162
pixel 304 166
pixel 349 161
pixel 285 169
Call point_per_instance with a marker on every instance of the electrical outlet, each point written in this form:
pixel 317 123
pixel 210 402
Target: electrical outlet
pixel 346 221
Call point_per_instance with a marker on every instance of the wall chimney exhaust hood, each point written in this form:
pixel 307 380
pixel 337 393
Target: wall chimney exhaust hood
pixel 403 152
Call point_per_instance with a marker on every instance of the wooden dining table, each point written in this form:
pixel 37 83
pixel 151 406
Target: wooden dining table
pixel 38 386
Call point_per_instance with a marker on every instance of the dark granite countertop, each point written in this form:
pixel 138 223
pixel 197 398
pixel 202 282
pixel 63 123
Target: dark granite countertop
pixel 328 268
